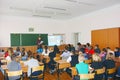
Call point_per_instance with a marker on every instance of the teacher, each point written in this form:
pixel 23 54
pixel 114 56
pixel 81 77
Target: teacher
pixel 39 44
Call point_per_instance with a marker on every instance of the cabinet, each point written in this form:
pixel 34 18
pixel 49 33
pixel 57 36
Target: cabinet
pixel 106 38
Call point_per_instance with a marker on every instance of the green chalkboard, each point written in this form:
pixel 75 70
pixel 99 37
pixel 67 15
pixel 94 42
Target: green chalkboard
pixel 15 39
pixel 27 39
pixel 44 38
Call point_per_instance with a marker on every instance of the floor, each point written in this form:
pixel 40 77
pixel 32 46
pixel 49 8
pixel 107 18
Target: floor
pixel 48 76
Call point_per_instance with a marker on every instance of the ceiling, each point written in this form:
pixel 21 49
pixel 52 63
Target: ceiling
pixel 55 9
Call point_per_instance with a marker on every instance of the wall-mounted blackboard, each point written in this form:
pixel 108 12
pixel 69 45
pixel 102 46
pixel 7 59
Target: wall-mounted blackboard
pixel 27 39
pixel 15 39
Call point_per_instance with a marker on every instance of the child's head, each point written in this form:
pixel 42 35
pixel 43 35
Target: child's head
pixel 96 57
pixel 110 56
pixel 81 58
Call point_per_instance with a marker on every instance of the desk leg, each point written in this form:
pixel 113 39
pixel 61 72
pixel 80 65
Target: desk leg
pixel 58 72
pixel 5 75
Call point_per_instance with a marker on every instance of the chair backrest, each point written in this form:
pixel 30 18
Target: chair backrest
pixel 47 59
pixel 100 71
pixel 57 55
pixel 74 71
pixel 88 61
pixel 37 68
pixel 57 58
pixel 87 76
pixel 1 57
pixel 64 65
pixel 111 71
pixel 24 68
pixel 22 63
pixel 4 61
pixel 14 73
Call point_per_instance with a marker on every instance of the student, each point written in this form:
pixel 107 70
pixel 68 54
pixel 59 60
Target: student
pixel 29 53
pixel 24 54
pixel 32 62
pixel 97 49
pixel 39 50
pixel 45 51
pixel 8 54
pixel 73 59
pixel 69 47
pixel 18 51
pixel 85 55
pixel 79 46
pixel 109 63
pixel 52 63
pixel 38 58
pixel 91 51
pixel 65 55
pixel 56 49
pixel 72 48
pixel 103 54
pixel 14 66
pixel 81 67
pixel 88 46
pixel 2 52
pixel 110 51
pixel 83 48
pixel 97 64
pixel 117 52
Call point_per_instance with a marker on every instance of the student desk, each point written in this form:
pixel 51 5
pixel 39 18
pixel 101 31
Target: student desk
pixel 23 67
pixel 47 59
pixel 61 64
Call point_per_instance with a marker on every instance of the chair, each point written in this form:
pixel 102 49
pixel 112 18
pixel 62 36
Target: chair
pixel 37 68
pixel 100 71
pixel 87 76
pixel 47 59
pixel 4 68
pixel 4 61
pixel 110 72
pixel 22 63
pixel 88 61
pixel 62 65
pixel 15 73
pixel 1 58
pixel 57 58
pixel 73 71
pixel 58 55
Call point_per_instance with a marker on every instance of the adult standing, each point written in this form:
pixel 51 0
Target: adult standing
pixel 39 45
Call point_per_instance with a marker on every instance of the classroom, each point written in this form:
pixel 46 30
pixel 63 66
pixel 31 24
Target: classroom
pixel 76 27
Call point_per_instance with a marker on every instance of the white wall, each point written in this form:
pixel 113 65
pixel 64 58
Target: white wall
pixel 15 24
pixel 109 17
pixel 105 18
